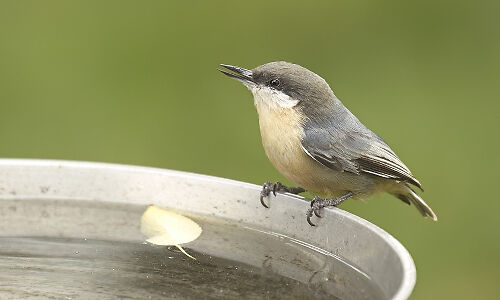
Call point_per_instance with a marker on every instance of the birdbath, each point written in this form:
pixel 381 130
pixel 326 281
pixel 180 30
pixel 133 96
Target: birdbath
pixel 72 229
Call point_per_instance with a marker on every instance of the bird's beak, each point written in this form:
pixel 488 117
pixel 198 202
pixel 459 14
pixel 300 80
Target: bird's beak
pixel 238 73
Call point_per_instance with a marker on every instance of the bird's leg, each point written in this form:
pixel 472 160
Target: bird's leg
pixel 276 187
pixel 318 203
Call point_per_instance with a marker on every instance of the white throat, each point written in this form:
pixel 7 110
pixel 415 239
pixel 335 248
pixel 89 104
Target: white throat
pixel 264 95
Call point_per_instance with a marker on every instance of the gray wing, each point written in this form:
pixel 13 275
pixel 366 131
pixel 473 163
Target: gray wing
pixel 343 143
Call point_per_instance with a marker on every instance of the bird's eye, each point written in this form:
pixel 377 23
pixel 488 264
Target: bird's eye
pixel 274 83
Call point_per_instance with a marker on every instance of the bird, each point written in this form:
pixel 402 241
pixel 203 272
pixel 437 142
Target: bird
pixel 315 142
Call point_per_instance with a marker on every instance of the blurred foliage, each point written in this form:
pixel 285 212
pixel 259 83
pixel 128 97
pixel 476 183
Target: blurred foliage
pixel 135 82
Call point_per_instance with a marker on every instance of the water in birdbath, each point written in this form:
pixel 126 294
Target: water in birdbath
pixel 95 250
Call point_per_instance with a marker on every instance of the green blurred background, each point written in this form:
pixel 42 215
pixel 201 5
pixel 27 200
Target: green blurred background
pixel 135 82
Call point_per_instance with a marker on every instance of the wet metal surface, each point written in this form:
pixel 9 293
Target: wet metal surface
pixel 61 203
pixel 233 261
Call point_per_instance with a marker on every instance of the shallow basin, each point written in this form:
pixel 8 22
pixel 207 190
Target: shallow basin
pixel 71 230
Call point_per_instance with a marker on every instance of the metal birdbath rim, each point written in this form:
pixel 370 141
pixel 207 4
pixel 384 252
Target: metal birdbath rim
pixel 347 235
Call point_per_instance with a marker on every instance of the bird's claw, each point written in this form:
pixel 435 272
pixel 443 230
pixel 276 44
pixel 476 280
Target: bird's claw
pixel 268 188
pixel 318 204
pixel 316 208
pixel 309 216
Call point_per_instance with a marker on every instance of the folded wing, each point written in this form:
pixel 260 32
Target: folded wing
pixel 343 143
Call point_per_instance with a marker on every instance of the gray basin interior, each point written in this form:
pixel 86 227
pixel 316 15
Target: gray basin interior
pixel 339 234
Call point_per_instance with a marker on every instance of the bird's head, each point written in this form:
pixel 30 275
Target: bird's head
pixel 283 85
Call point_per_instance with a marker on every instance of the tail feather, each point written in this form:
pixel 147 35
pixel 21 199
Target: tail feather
pixel 411 197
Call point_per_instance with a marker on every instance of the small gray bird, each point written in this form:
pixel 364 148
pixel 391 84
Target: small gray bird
pixel 317 143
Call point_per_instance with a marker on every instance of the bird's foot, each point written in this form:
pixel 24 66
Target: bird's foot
pixel 317 205
pixel 277 187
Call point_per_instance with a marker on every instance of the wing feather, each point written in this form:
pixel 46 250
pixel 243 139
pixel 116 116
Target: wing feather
pixel 343 143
